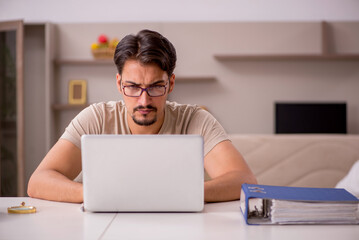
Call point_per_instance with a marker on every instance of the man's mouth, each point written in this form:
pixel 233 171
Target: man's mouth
pixel 145 110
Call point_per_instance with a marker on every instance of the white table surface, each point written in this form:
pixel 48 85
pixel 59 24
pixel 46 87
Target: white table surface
pixel 55 220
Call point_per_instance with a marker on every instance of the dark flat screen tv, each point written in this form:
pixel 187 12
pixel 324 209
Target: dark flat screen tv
pixel 306 117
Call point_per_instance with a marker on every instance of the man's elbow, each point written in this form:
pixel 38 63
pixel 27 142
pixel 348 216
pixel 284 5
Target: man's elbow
pixel 250 179
pixel 30 188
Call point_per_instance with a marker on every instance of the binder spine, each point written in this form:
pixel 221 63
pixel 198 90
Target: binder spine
pixel 245 202
pixel 255 207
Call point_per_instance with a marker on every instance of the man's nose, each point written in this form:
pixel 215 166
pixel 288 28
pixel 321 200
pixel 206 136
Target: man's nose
pixel 144 99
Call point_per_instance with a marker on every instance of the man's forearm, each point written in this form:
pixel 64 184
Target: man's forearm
pixel 226 187
pixel 51 185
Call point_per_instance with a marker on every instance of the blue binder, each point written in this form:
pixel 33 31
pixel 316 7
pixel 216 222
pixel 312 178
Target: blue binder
pixel 257 203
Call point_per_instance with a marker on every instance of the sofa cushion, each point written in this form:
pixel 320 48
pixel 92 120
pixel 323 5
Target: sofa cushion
pixel 302 160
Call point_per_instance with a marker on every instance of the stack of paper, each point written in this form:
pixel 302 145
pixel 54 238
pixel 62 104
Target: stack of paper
pixel 293 212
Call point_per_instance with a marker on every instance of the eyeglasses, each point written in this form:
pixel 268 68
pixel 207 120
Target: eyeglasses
pixel 152 91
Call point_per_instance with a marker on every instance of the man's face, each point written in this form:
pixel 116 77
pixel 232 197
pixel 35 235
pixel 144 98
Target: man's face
pixel 144 110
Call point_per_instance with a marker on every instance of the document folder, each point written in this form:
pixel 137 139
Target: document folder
pixel 264 204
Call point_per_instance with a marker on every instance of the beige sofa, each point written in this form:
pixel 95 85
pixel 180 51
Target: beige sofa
pixel 299 160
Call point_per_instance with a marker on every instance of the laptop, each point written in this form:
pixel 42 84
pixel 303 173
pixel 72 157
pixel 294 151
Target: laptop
pixel 143 173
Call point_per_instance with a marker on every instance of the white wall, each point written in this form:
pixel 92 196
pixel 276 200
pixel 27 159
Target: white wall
pixel 178 10
pixel 242 97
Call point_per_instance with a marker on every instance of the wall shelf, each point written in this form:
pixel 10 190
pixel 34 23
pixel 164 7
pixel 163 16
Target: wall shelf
pixel 109 62
pixel 63 107
pixel 287 57
pixel 195 78
pixel 79 107
pixel 325 53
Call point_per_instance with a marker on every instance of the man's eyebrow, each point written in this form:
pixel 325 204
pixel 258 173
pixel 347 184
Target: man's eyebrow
pixel 130 82
pixel 154 83
pixel 157 82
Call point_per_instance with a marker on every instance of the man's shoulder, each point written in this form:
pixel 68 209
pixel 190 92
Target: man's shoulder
pixel 110 106
pixel 181 108
pixel 188 112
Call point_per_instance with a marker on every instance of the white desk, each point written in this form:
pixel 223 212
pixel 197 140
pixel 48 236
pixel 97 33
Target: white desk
pixel 55 220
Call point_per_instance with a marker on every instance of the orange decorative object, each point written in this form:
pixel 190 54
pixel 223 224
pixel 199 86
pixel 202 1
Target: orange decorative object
pixel 103 48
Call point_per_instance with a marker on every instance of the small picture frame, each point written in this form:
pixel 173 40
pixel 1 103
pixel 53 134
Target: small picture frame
pixel 77 91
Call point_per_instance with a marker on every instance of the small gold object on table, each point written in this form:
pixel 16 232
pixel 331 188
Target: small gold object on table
pixel 21 209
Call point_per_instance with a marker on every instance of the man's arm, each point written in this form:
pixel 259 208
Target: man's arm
pixel 52 180
pixel 228 170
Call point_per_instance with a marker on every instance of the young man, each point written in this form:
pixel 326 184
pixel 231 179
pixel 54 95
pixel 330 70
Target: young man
pixel 145 78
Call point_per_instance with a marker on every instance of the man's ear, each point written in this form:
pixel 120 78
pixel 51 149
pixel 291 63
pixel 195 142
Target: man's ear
pixel 118 82
pixel 172 83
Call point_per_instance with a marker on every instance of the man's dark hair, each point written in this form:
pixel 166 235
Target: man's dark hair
pixel 146 47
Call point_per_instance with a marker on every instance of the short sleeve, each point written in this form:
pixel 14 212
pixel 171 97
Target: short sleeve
pixel 203 123
pixel 86 122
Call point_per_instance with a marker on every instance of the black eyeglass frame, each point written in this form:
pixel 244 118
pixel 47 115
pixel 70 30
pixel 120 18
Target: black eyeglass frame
pixel 145 90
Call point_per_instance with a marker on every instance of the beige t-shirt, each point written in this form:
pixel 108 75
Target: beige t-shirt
pixel 111 118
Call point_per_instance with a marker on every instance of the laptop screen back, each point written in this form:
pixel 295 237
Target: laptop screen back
pixel 142 173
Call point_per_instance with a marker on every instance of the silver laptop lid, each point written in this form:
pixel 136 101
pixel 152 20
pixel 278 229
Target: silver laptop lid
pixel 143 173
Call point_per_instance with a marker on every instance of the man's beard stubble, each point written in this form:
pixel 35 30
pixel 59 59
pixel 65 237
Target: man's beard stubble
pixel 145 122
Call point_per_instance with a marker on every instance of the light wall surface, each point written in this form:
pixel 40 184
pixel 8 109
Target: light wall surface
pixel 175 10
pixel 243 95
